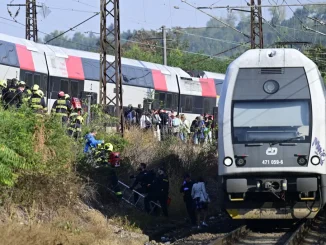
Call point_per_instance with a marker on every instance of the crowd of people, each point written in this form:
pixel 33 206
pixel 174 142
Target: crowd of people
pixel 155 187
pixel 15 93
pixel 164 123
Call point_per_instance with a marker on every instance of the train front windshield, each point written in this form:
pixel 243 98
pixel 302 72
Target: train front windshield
pixel 271 121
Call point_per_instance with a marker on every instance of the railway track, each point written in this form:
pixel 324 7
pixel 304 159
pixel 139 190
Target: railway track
pixel 303 233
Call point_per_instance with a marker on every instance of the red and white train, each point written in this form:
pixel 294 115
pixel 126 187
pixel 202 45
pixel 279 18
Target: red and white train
pixel 77 73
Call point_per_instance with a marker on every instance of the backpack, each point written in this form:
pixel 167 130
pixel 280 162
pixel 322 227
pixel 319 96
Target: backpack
pixel 147 122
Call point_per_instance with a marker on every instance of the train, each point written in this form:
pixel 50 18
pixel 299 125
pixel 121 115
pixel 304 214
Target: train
pixel 77 73
pixel 271 139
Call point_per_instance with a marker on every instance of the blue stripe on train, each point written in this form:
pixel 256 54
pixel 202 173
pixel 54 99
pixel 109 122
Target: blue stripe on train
pixel 132 75
pixel 8 54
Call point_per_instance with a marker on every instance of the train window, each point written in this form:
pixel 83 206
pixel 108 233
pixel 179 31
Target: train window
pixel 206 106
pixel 37 80
pixel 169 101
pixel 64 86
pixel 74 89
pixel 162 99
pixel 29 79
pixel 188 105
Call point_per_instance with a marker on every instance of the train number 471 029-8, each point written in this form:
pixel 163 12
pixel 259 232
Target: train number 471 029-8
pixel 272 162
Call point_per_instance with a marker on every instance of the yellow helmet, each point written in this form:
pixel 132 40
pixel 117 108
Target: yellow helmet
pixel 35 87
pixel 108 146
pixel 67 97
pixel 39 93
pixel 3 83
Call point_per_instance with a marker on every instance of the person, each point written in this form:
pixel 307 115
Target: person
pixel 156 122
pixel 75 123
pixel 163 186
pixel 185 128
pixel 27 93
pixel 201 200
pixel 91 142
pixel 8 94
pixel 186 189
pixel 139 112
pixel 194 129
pixel 175 125
pixel 35 88
pixel 37 102
pixel 61 107
pixel 208 129
pixel 145 121
pixel 3 85
pixel 102 153
pixel 144 178
pixel 129 115
pixel 68 99
pixel 19 95
pixel 164 123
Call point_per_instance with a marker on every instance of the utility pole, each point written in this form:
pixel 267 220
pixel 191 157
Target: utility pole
pixel 31 19
pixel 164 45
pixel 257 40
pixel 110 72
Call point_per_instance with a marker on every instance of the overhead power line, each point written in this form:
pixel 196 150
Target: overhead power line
pixel 235 47
pixel 70 29
pixel 262 6
pixel 217 19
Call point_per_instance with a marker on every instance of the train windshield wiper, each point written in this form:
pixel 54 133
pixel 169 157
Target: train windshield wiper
pixel 286 140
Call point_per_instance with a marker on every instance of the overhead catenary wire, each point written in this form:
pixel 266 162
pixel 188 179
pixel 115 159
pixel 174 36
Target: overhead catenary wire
pixel 217 19
pixel 262 6
pixel 70 29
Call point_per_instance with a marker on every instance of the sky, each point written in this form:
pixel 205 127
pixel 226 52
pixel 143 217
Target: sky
pixel 135 14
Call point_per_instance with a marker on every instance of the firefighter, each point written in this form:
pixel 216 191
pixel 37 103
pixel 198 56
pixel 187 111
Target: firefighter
pixel 35 88
pixel 37 102
pixel 75 123
pixel 3 85
pixel 27 92
pixel 103 152
pixel 67 98
pixel 61 107
pixel 8 94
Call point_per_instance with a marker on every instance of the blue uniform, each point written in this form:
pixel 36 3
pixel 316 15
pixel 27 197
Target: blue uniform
pixel 91 142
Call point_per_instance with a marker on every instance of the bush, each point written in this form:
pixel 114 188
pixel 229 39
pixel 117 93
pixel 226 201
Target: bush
pixel 36 160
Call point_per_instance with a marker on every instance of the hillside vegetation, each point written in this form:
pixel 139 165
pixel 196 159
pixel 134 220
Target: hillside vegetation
pixel 50 195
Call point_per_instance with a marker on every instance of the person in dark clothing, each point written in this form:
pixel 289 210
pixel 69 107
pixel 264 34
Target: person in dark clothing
pixel 8 94
pixel 186 190
pixel 61 107
pixel 159 191
pixel 144 178
pixel 164 123
pixel 139 113
pixel 19 96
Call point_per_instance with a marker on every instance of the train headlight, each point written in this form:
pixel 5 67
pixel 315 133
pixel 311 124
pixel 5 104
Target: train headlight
pixel 315 160
pixel 228 161
pixel 241 161
pixel 302 160
pixel 271 86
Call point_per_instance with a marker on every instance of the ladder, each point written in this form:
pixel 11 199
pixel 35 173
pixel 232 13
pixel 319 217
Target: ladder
pixel 128 196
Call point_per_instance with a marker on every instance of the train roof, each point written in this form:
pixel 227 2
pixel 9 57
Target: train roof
pixel 284 57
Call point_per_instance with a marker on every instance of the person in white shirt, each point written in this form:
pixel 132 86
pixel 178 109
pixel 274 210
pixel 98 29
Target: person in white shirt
pixel 145 121
pixel 201 200
pixel 184 128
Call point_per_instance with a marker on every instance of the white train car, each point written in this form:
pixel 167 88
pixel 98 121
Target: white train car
pixel 77 73
pixel 272 136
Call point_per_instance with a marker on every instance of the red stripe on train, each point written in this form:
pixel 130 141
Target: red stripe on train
pixel 159 81
pixel 75 68
pixel 208 87
pixel 25 58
